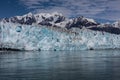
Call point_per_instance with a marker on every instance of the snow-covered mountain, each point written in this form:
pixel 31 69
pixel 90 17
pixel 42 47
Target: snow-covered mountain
pixel 41 18
pixel 53 19
pixel 53 31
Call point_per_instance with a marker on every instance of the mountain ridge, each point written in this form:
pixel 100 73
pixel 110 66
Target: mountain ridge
pixel 53 31
pixel 58 20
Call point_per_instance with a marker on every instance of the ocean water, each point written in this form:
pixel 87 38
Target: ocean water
pixel 60 65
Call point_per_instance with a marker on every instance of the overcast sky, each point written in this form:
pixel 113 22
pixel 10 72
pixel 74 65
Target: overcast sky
pixel 99 9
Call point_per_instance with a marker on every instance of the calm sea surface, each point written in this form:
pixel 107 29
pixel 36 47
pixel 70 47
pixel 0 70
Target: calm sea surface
pixel 60 65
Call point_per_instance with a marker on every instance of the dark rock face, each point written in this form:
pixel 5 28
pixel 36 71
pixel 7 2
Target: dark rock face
pixel 80 22
pixel 7 19
pixel 112 30
pixel 48 19
pixel 45 23
pixel 30 20
pixel 106 28
pixel 60 19
pixel 26 20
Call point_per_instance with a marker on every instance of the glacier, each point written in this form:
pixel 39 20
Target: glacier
pixel 43 37
pixel 26 37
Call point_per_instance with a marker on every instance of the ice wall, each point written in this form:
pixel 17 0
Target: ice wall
pixel 34 37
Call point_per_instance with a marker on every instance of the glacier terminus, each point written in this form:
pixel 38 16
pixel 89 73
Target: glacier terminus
pixel 53 31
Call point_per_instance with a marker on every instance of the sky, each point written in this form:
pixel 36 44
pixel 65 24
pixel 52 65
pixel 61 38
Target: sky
pixel 103 10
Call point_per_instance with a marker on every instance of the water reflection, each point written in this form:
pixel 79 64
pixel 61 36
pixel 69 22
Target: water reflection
pixel 60 65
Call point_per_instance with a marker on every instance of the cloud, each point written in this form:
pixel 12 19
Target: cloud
pixel 104 9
